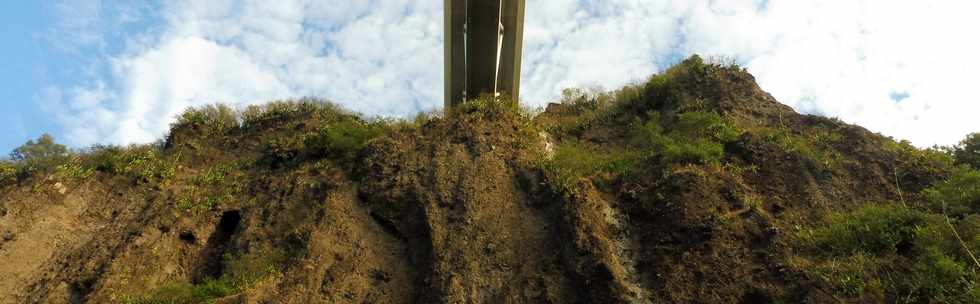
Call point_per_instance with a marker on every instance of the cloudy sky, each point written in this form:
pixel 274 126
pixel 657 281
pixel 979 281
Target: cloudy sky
pixel 116 71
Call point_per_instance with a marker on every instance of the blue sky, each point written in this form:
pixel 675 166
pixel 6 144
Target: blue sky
pixel 117 72
pixel 23 60
pixel 56 44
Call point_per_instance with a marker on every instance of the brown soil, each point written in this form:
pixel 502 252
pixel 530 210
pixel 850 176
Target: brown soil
pixel 455 211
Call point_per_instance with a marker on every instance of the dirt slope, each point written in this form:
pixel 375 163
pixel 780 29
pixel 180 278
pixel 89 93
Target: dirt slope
pixel 455 209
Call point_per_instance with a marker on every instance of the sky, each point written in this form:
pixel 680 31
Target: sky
pixel 118 72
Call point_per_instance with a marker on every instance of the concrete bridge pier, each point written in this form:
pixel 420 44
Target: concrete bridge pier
pixel 483 43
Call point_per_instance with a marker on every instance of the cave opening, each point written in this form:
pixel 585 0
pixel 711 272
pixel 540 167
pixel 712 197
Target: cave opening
pixel 211 259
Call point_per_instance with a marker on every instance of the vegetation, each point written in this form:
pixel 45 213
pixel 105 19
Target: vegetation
pixel 968 151
pixel 573 161
pixel 934 161
pixel 45 149
pixel 696 137
pixel 922 252
pixel 74 169
pixel 241 273
pixel 338 140
pixel 958 196
pixel 8 172
pixel 817 146
pixel 904 254
pixel 342 140
pixel 215 119
pixel 630 143
pixel 41 155
pixel 688 131
pixel 214 187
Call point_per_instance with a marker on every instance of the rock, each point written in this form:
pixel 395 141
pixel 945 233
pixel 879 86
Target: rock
pixel 3 211
pixel 60 188
pixel 8 236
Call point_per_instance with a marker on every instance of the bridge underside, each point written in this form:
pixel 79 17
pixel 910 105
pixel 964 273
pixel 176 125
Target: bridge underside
pixel 483 48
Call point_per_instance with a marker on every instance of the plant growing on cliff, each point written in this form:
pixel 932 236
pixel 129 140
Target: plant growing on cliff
pixel 241 273
pixel 695 137
pixel 574 161
pixel 39 155
pixel 8 172
pixel 895 253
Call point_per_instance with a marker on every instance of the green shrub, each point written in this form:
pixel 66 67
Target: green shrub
pixel 344 139
pixel 281 111
pixel 487 107
pixel 940 277
pixel 853 275
pixel 244 271
pixel 873 229
pixel 184 293
pixel 74 168
pixel 930 161
pixel 41 155
pixel 106 159
pixel 968 151
pixel 143 163
pixel 283 150
pixel 149 165
pixel 216 117
pixel 696 137
pixel 819 147
pixel 213 187
pixel 241 272
pixel 573 161
pixel 959 194
pixel 8 172
pixel 895 251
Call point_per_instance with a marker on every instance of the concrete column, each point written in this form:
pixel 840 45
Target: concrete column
pixel 478 59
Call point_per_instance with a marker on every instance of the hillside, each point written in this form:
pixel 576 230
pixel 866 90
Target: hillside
pixel 693 187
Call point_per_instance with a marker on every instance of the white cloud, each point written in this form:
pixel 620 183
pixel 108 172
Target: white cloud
pixel 79 24
pixel 837 58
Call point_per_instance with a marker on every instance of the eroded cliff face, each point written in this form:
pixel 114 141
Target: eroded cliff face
pixel 483 205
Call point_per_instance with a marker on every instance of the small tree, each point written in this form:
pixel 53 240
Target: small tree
pixel 41 154
pixel 968 151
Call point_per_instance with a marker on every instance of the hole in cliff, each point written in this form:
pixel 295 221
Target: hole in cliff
pixel 388 226
pixel 188 237
pixel 211 265
pixel 756 296
pixel 77 291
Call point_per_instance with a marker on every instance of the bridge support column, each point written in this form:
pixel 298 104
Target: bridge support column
pixel 483 44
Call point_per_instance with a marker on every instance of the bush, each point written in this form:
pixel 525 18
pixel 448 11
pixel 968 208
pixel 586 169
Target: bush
pixel 573 161
pixel 215 186
pixel 241 272
pixel 487 107
pixel 819 147
pixel 149 165
pixel 279 111
pixel 74 168
pixel 894 251
pixel 106 159
pixel 216 117
pixel 968 151
pixel 184 293
pixel 344 139
pixel 959 194
pixel 8 172
pixel 931 161
pixel 696 137
pixel 873 229
pixel 44 154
